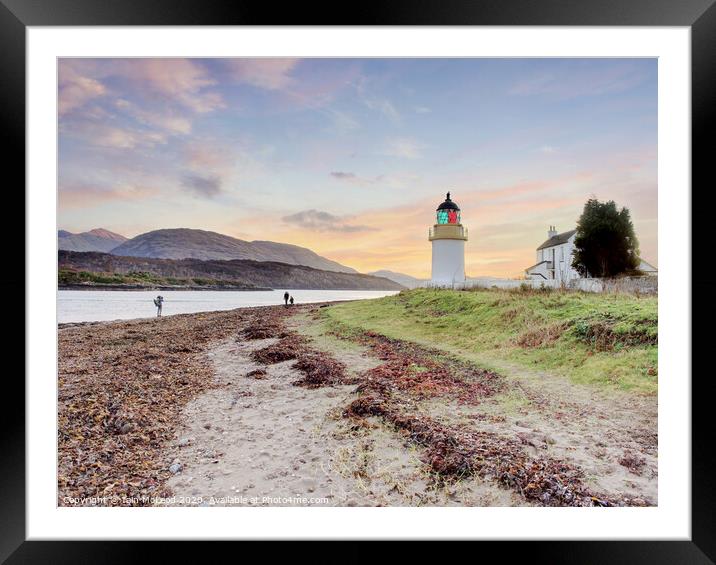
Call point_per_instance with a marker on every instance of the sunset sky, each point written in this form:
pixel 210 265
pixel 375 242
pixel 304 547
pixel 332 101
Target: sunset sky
pixel 350 157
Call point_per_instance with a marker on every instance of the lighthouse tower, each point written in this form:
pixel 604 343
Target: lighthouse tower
pixel 448 237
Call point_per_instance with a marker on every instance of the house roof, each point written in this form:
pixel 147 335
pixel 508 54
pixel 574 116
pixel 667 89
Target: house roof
pixel 558 239
pixel 536 265
pixel 641 261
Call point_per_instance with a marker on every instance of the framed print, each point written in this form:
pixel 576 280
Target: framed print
pixel 394 278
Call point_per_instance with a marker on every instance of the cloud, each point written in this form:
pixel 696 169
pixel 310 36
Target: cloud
pixel 403 147
pixel 113 137
pixel 421 110
pixel 341 120
pixel 116 137
pixel 210 158
pixel 269 74
pixel 383 106
pixel 343 176
pixel 523 189
pixel 81 195
pixel 548 149
pixel 573 82
pixel 317 220
pixel 353 178
pixel 206 186
pixel 76 90
pixel 160 95
pixel 165 119
pixel 363 86
pixel 182 80
pixel 202 154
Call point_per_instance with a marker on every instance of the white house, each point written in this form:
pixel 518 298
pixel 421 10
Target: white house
pixel 554 259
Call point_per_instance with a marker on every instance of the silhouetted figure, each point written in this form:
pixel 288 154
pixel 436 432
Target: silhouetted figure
pixel 285 298
pixel 291 301
pixel 158 301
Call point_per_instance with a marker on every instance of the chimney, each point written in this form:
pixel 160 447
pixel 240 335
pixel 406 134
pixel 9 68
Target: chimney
pixel 552 232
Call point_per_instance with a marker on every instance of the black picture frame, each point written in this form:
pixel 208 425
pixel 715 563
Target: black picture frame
pixel 699 15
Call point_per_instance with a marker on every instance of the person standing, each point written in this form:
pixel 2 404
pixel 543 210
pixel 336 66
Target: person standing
pixel 158 301
pixel 285 298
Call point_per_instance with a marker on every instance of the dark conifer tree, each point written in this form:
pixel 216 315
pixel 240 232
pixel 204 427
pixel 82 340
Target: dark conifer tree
pixel 605 244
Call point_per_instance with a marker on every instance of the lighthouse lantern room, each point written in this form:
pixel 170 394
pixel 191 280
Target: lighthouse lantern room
pixel 448 237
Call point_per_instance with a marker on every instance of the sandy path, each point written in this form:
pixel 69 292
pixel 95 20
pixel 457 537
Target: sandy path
pixel 267 442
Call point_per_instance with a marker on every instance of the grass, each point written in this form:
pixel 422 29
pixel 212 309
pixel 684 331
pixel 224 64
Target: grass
pixel 608 340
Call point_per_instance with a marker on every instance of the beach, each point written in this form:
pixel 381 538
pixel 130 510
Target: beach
pixel 276 406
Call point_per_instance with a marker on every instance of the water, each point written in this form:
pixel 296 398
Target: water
pixel 102 305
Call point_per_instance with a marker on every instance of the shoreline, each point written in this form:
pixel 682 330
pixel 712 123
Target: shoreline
pixel 119 287
pixel 268 307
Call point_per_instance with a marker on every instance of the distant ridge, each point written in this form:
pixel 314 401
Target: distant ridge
pixel 98 239
pixel 401 278
pixel 246 273
pixel 185 243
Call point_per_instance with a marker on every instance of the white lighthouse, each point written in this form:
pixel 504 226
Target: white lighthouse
pixel 448 236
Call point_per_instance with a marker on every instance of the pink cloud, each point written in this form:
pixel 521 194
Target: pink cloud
pixel 321 89
pixel 166 119
pixel 82 195
pixel 270 74
pixel 182 80
pixel 103 135
pixel 75 90
pixel 205 155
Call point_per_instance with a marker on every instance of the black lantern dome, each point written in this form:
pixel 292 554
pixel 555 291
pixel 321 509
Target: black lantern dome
pixel 448 212
pixel 448 204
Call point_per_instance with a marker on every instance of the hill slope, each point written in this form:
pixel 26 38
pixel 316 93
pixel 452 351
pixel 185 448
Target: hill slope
pixel 184 243
pixel 601 339
pixel 97 239
pixel 238 271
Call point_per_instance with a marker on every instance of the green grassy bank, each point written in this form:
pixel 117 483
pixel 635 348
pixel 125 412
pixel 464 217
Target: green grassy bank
pixel 600 339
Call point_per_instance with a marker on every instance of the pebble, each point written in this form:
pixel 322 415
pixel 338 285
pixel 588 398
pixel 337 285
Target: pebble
pixel 175 468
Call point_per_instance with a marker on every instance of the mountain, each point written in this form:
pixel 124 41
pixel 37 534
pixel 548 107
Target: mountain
pixel 97 239
pixel 184 243
pixel 401 278
pixel 241 272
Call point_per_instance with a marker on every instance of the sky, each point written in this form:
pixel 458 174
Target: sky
pixel 350 157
